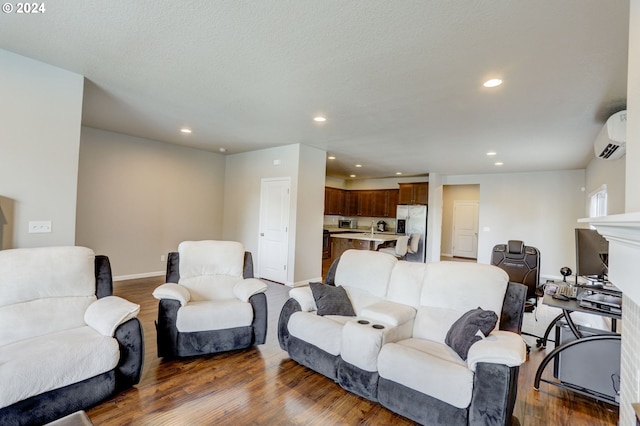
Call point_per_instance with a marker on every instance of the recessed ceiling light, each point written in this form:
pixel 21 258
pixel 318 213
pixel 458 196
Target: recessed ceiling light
pixel 499 163
pixel 319 119
pixel 358 165
pixel 185 130
pixel 398 173
pixel 492 83
pixel 491 153
pixel 331 157
pixel 222 149
pixel 352 175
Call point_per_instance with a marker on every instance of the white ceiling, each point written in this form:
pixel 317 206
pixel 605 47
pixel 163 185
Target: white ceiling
pixel 400 82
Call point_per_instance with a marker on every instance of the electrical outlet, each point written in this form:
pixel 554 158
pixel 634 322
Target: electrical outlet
pixel 39 226
pixel 163 258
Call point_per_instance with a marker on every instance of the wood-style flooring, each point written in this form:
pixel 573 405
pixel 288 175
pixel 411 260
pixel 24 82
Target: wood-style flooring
pixel 262 386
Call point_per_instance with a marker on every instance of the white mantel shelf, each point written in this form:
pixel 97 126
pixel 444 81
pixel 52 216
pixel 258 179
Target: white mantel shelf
pixel 623 233
pixel 624 228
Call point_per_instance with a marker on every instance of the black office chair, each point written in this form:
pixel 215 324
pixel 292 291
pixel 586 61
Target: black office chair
pixel 522 264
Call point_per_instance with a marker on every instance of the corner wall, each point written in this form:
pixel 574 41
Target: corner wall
pixel 542 209
pixel 41 110
pixel 138 199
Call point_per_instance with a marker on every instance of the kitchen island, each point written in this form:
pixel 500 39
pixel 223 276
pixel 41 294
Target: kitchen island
pixel 360 241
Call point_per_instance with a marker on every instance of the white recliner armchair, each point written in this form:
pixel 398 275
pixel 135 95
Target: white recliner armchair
pixel 210 302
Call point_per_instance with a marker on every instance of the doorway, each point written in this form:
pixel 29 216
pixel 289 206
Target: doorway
pixel 460 213
pixel 465 229
pixel 273 246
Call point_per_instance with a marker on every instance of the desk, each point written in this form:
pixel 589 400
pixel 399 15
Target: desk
pixel 568 307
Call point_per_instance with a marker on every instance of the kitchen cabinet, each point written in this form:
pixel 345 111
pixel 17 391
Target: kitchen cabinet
pixel 414 193
pixel 334 201
pixel 367 203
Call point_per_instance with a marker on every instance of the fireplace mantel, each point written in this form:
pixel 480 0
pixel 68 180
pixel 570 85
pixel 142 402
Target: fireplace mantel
pixel 623 233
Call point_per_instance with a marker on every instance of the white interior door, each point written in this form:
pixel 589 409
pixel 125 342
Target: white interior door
pixel 465 229
pixel 274 227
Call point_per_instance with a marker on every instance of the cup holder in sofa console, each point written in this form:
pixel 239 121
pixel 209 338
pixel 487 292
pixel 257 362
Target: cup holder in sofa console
pixel 378 326
pixel 363 322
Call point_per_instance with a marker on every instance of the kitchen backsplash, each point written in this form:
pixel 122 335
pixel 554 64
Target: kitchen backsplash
pixel 363 222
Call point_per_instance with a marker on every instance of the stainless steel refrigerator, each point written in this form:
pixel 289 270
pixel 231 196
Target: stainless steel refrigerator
pixel 411 219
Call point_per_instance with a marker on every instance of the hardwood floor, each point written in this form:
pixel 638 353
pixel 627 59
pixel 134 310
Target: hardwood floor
pixel 263 386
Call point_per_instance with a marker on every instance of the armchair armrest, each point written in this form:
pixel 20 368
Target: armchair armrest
pixel 499 347
pixel 390 313
pixel 106 314
pixel 174 292
pixel 304 297
pixel 246 288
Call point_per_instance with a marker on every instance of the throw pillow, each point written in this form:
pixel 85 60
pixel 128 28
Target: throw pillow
pixel 331 300
pixel 464 332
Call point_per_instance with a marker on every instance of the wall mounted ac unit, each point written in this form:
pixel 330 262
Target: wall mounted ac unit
pixel 612 140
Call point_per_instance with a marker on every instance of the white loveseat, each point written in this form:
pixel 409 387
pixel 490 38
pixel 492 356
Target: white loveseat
pixel 66 343
pixel 394 349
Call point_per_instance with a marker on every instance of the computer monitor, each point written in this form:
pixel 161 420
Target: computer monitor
pixel 592 254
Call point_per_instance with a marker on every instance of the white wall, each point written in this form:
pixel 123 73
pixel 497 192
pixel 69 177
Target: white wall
pixel 308 261
pixel 540 209
pixel 632 198
pixel 244 173
pixel 385 183
pixel 41 109
pixel 610 173
pixel 138 199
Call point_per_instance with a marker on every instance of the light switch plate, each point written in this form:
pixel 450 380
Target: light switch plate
pixel 39 226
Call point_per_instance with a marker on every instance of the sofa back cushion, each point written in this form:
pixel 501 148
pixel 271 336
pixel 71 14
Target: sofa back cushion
pixel 405 284
pixel 365 275
pixel 452 288
pixel 44 290
pixel 210 269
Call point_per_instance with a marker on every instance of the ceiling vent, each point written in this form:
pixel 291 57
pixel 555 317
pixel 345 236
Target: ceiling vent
pixel 612 140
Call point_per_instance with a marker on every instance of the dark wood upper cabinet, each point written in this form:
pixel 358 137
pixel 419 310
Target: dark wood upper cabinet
pixel 334 201
pixel 414 193
pixel 368 203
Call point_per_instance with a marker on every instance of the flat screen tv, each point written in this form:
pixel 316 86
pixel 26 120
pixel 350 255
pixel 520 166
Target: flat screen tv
pixel 592 254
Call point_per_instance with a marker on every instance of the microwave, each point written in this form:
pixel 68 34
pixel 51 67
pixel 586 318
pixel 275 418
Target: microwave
pixel 348 223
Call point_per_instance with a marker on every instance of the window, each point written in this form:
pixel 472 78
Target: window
pixel 598 202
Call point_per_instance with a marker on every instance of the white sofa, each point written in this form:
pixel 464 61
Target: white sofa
pixel 394 349
pixel 65 342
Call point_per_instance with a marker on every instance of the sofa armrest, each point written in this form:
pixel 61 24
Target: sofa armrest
pixel 500 347
pixel 174 292
pixel 390 313
pixel 304 297
pixel 106 314
pixel 244 289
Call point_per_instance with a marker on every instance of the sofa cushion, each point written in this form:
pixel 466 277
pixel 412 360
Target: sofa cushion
pixel 405 284
pixel 214 315
pixel 40 364
pixel 36 273
pixel 211 269
pixel 331 300
pixel 453 288
pixel 465 331
pixel 324 332
pixel 42 316
pixel 365 270
pixel 428 367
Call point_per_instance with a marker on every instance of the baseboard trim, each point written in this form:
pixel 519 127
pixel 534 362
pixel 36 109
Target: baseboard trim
pixel 304 282
pixel 446 255
pixel 136 276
